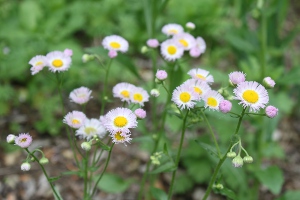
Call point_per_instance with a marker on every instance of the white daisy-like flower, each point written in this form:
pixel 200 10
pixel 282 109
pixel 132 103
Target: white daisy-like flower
pixel 116 43
pixel 58 61
pixel 119 119
pixel 200 87
pixel 123 91
pixel 90 128
pixel 80 95
pixel 172 29
pixel 38 63
pixel 171 50
pixel 139 95
pixel 212 99
pixel 251 94
pixel 186 40
pixel 184 97
pixel 200 44
pixel 74 119
pixel 120 137
pixel 202 75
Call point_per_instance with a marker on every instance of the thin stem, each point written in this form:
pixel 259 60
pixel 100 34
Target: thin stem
pixel 260 114
pixel 45 173
pixel 106 164
pixel 178 155
pixel 104 87
pixel 212 134
pixel 85 177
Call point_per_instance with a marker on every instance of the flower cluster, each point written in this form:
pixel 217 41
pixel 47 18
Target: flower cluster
pixel 56 61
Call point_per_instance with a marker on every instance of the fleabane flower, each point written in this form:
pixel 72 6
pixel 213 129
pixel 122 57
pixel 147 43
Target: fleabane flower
pixel 123 91
pixel 172 29
pixel 201 74
pixel 24 140
pixel 236 78
pixel 38 63
pixel 119 119
pixel 58 61
pixel 185 40
pixel 74 119
pixel 153 43
pixel 139 95
pixel 90 128
pixel 171 50
pixel 80 95
pixel 200 87
pixel 120 137
pixel 252 94
pixel 115 43
pixel 198 48
pixel 271 111
pixel 212 99
pixel 184 97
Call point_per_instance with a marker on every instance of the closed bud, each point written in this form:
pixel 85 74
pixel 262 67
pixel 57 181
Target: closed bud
pixel 25 166
pixel 144 49
pixel 231 154
pixel 238 161
pixel 248 159
pixel 86 146
pixel 155 92
pixel 218 186
pixel 44 160
pixel 11 138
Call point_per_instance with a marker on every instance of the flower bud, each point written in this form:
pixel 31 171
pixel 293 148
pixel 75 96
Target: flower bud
pixel 225 106
pixel 144 49
pixel 248 159
pixel 161 75
pixel 11 138
pixel 190 25
pixel 155 92
pixel 86 146
pixel 238 161
pixel 271 111
pixel 219 186
pixel 231 154
pixel 236 78
pixel 87 57
pixel 140 113
pixel 44 160
pixel 25 166
pixel 112 53
pixel 268 82
pixel 153 43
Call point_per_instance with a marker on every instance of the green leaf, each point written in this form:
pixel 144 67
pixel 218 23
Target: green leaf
pixel 210 149
pixel 195 165
pixel 54 178
pixel 71 173
pixel 290 195
pixel 271 177
pixel 113 183
pixel 183 184
pixel 228 193
pixel 58 193
pixel 158 194
pixel 30 13
pixel 104 146
pixel 166 167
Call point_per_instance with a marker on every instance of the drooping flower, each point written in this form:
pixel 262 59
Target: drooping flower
pixel 153 43
pixel 212 99
pixel 139 95
pixel 58 61
pixel 116 43
pixel 184 97
pixel 271 111
pixel 202 75
pixel 119 119
pixel 200 87
pixel 172 29
pixel 171 50
pixel 74 119
pixel 269 82
pixel 225 106
pixel 123 91
pixel 140 113
pixel 236 78
pixel 38 63
pixel 185 40
pixel 238 161
pixel 252 94
pixel 24 140
pixel 80 95
pixel 25 166
pixel 90 128
pixel 161 75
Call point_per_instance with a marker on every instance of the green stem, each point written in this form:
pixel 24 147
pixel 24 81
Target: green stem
pixel 178 156
pixel 85 177
pixel 212 134
pixel 106 164
pixel 104 87
pixel 45 173
pixel 213 179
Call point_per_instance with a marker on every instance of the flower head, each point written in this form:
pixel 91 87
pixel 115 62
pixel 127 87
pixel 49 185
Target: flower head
pixel 185 40
pixel 140 113
pixel 74 119
pixel 123 91
pixel 225 106
pixel 200 87
pixel 252 94
pixel 120 137
pixel 172 29
pixel 80 95
pixel 153 43
pixel 116 43
pixel 90 128
pixel 10 138
pixel 139 95
pixel 184 97
pixel 24 140
pixel 212 99
pixel 68 52
pixel 37 63
pixel 120 119
pixel 271 111
pixel 198 48
pixel 171 50
pixel 236 78
pixel 268 82
pixel 58 61
pixel 161 75
pixel 202 75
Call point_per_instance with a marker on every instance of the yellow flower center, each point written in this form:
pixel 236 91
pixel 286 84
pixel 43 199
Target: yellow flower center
pixel 138 97
pixel 23 140
pixel 125 93
pixel 212 102
pixel 57 63
pixel 89 130
pixel 120 121
pixel 171 50
pixel 197 90
pixel 185 97
pixel 250 96
pixel 173 31
pixel 201 77
pixel 75 121
pixel 118 136
pixel 115 45
pixel 184 42
pixel 38 63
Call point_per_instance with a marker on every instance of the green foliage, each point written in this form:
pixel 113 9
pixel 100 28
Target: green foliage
pixel 113 183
